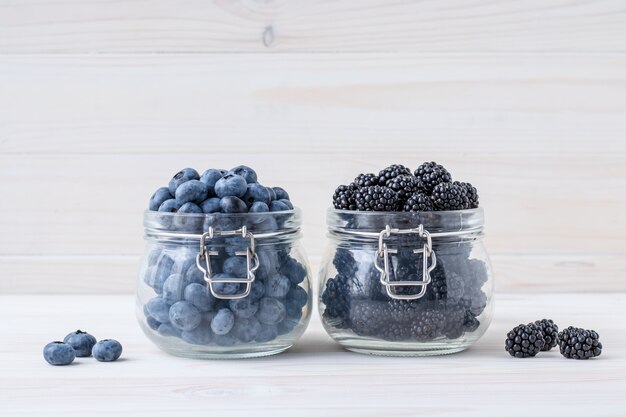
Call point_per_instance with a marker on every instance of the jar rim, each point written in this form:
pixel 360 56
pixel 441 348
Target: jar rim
pixel 193 225
pixel 434 221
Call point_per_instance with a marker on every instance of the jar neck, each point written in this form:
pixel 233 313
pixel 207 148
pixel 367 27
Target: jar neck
pixel 223 229
pixel 405 227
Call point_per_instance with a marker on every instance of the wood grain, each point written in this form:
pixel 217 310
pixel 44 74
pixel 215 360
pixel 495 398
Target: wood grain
pixel 256 26
pixel 313 378
pixel 324 103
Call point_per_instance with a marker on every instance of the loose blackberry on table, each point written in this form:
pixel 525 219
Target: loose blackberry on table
pixel 577 343
pixel 524 341
pixel 550 333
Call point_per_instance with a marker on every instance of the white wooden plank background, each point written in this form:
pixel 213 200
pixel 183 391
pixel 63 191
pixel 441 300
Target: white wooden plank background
pixel 366 25
pixel 314 378
pixel 101 102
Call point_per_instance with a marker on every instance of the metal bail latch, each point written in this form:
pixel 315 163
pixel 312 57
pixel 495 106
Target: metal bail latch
pixel 203 262
pixel 383 254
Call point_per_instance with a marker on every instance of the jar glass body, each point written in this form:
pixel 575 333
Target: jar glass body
pixel 442 311
pixel 254 301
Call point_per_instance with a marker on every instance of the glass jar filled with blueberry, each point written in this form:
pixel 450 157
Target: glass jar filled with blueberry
pixel 224 274
pixel 406 272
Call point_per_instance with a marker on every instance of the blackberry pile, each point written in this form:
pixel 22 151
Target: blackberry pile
pixel 527 340
pixel 355 300
pixel 395 188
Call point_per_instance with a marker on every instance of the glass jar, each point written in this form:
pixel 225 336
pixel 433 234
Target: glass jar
pixel 223 285
pixel 406 284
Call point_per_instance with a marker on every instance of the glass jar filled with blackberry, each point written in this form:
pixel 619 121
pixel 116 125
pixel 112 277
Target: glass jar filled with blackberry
pixel 406 272
pixel 224 274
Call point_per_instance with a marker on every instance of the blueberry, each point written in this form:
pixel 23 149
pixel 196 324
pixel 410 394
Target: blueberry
pixel 193 191
pixel 169 206
pixel 266 333
pixel 259 207
pixel 277 286
pixel 211 205
pixel 272 193
pixel 246 329
pixel 223 322
pixel 193 274
pixel 159 309
pixel 293 270
pixel 184 316
pixel 258 290
pixel 107 350
pixel 230 204
pixel 187 174
pixel 235 266
pixel 200 296
pixel 152 322
pixel 81 342
pixel 246 172
pixel 244 307
pixel 188 223
pixel 271 311
pixel 167 330
pixel 173 288
pixel 287 325
pixel 256 193
pixel 161 271
pixel 159 196
pixel 224 340
pixel 210 177
pixel 201 335
pixel 298 296
pixel 281 194
pixel 231 185
pixel 58 353
pixel 278 206
pixel 225 288
pixel 268 224
pixel 287 203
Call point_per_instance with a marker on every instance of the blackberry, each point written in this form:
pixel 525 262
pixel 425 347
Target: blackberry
pixel 336 298
pixel 404 186
pixel 343 198
pixel 395 332
pixel 470 191
pixel 524 341
pixel 455 321
pixel 576 343
pixel 438 288
pixel 402 311
pixel 391 172
pixel 344 262
pixel 428 325
pixel 448 196
pixel 366 180
pixel 375 198
pixel 430 174
pixel 418 202
pixel 367 317
pixel 550 333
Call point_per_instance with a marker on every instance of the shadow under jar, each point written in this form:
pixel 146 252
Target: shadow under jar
pixel 218 286
pixel 406 283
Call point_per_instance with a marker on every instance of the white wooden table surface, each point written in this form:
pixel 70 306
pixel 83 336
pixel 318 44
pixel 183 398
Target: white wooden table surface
pixel 315 377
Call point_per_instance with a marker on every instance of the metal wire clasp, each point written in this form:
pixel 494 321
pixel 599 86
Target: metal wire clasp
pixel 203 262
pixel 383 254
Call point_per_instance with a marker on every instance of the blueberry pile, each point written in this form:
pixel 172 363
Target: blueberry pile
pixel 182 305
pixel 395 188
pixel 81 344
pixel 527 340
pixel 354 299
pixel 218 191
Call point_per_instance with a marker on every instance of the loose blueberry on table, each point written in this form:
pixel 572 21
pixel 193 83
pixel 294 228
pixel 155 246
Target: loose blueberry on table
pixel 355 300
pixel 59 353
pixel 82 342
pixel 107 350
pixel 183 306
